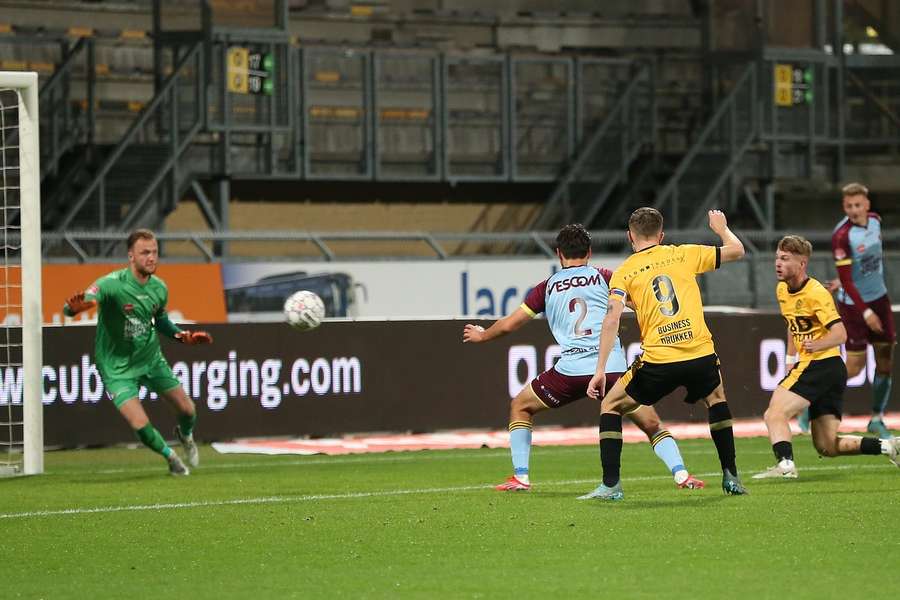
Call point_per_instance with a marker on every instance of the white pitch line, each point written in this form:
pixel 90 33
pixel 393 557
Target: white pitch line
pixel 348 495
pixel 280 460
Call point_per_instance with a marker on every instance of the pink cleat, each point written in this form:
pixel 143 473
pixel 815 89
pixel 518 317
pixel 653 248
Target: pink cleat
pixel 514 485
pixel 691 483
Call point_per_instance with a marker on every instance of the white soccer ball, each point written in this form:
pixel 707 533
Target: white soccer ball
pixel 304 310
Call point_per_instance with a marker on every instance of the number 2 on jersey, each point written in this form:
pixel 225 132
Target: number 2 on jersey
pixel 583 308
pixel 666 297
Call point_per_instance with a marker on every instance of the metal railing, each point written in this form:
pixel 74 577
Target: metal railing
pixel 442 245
pixel 876 111
pixel 147 156
pixel 712 161
pixel 604 159
pixel 326 120
pixel 62 125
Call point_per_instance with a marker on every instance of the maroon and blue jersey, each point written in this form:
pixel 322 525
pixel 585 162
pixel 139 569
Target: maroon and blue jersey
pixel 858 256
pixel 575 300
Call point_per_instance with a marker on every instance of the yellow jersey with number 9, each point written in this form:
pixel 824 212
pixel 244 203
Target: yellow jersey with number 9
pixel 662 283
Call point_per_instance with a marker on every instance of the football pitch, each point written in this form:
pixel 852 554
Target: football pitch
pixel 112 524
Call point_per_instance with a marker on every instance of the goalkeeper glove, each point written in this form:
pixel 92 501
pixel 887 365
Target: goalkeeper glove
pixel 76 304
pixel 193 337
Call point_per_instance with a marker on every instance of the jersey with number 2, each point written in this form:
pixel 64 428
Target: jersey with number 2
pixel 575 300
pixel 662 283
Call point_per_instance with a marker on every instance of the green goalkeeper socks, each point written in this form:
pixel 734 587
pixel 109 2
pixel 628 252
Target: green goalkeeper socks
pixel 186 424
pixel 153 440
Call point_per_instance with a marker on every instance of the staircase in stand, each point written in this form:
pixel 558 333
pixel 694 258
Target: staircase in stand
pixel 113 189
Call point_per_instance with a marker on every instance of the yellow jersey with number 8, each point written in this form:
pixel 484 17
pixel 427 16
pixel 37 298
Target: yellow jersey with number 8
pixel 809 313
pixel 662 283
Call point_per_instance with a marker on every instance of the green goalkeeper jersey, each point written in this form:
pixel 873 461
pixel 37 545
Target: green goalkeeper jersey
pixel 127 344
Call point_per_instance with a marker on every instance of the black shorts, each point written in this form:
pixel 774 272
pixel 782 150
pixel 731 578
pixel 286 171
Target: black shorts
pixel 821 382
pixel 648 382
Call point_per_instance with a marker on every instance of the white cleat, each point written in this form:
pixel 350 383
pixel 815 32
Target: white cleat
pixel 189 446
pixel 785 469
pixel 176 467
pixel 893 450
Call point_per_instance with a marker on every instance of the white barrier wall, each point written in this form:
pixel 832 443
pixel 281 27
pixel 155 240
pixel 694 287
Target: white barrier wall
pixel 486 288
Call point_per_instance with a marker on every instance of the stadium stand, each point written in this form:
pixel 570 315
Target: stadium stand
pixel 446 93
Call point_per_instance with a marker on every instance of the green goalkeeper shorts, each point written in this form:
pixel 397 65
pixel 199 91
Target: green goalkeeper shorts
pixel 159 379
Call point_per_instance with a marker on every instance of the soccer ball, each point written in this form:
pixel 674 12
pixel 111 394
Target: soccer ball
pixel 304 310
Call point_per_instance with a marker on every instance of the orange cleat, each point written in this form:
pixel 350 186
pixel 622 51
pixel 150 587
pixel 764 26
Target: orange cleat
pixel 514 485
pixel 691 483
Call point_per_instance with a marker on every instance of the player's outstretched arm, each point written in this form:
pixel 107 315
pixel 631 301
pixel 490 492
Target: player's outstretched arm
pixel 77 303
pixel 166 327
pixel 508 324
pixel 732 247
pixel 608 333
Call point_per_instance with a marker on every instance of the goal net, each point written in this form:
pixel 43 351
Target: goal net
pixel 21 417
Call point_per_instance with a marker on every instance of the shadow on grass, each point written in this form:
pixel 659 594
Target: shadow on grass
pixel 107 479
pixel 796 488
pixel 664 501
pixel 667 503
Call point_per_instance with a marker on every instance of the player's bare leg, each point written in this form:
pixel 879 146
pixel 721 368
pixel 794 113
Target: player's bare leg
pixel 829 443
pixel 615 403
pixel 722 432
pixel 856 362
pixel 783 406
pixel 187 417
pixel 521 421
pixel 134 413
pixel 664 445
pixel 881 388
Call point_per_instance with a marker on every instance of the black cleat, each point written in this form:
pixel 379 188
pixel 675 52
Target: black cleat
pixel 731 484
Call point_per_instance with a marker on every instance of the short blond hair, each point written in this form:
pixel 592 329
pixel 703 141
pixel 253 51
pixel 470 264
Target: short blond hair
pixel 795 244
pixel 139 234
pixel 646 222
pixel 855 189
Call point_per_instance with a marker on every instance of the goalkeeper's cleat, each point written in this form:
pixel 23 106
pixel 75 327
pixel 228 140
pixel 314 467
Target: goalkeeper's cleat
pixel 190 447
pixel 785 469
pixel 731 484
pixel 605 493
pixel 176 467
pixel 893 450
pixel 878 427
pixel 691 483
pixel 803 421
pixel 513 485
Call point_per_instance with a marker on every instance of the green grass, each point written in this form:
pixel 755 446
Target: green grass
pixel 426 524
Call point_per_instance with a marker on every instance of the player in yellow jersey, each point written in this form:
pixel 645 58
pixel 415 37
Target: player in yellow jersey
pixel 661 283
pixel 818 376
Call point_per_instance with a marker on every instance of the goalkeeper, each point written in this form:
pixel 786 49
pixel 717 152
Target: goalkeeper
pixel 132 308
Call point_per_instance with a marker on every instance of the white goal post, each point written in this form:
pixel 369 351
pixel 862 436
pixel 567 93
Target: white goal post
pixel 20 253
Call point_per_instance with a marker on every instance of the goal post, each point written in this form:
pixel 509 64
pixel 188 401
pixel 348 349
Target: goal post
pixel 20 252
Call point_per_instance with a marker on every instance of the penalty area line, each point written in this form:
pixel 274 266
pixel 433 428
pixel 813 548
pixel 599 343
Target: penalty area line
pixel 345 496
